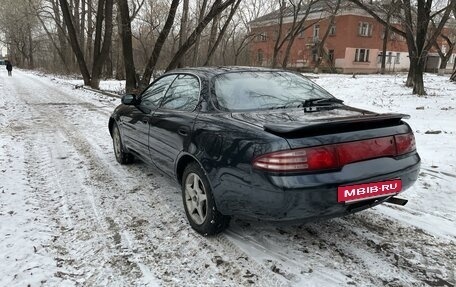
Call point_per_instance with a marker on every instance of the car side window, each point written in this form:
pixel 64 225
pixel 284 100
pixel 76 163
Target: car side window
pixel 183 94
pixel 153 95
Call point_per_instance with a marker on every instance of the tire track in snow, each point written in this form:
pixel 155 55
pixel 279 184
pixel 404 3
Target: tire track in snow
pixel 366 249
pixel 59 167
pixel 102 179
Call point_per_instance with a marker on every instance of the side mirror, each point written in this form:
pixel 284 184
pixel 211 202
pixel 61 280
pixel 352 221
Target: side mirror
pixel 129 99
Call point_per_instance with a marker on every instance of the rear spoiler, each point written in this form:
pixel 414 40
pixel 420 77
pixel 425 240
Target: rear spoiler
pixel 342 123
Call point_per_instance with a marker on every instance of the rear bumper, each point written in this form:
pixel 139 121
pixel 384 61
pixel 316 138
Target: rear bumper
pixel 306 197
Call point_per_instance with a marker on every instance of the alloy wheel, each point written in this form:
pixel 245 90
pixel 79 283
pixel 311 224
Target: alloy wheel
pixel 195 198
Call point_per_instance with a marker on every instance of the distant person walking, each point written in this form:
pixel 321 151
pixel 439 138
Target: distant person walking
pixel 9 67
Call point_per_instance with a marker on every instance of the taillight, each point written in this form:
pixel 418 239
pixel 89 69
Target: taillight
pixel 365 149
pixel 405 143
pixel 283 161
pixel 336 155
pixel 296 160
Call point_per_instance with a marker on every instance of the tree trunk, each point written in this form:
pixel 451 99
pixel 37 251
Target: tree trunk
pixel 127 46
pixel 212 38
pixel 74 42
pixel 89 43
pixel 411 73
pixel 109 69
pixel 277 44
pixel 384 47
pixel 418 83
pixel 202 11
pixel 82 24
pixel 453 75
pixel 62 37
pixel 183 29
pixel 286 56
pixel 31 63
pixel 76 18
pixel 101 54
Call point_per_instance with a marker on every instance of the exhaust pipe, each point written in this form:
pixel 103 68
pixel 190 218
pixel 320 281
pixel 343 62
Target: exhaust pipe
pixel 396 200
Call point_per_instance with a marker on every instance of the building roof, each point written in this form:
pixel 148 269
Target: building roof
pixel 318 7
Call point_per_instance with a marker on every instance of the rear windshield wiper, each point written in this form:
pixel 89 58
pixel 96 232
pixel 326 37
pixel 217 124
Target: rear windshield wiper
pixel 315 105
pixel 319 102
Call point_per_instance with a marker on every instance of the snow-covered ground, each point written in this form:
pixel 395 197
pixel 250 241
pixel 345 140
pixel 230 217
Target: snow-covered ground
pixel 70 215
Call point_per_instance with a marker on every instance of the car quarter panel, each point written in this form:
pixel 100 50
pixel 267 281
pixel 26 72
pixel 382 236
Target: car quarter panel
pixel 225 149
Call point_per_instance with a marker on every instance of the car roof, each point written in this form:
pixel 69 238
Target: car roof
pixel 214 71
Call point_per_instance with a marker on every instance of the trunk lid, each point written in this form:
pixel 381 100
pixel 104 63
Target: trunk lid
pixel 317 128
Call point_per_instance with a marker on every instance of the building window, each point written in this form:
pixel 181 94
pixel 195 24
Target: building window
pixel 262 37
pixel 316 31
pixel 314 54
pixel 331 56
pixel 392 36
pixel 362 55
pixel 276 35
pixel 365 29
pixel 398 58
pixel 379 58
pixel 390 56
pixel 332 30
pixel 453 58
pixel 260 57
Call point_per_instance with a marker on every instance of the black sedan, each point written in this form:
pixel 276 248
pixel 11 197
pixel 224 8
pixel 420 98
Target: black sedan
pixel 262 143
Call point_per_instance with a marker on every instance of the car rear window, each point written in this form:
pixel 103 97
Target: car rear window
pixel 240 91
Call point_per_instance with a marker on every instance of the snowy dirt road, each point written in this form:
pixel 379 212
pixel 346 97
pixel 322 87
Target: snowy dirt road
pixel 70 215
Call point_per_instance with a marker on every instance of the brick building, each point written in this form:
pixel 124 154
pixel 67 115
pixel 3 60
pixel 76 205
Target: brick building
pixel 354 43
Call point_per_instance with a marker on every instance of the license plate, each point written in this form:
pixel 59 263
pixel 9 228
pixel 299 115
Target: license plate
pixel 363 191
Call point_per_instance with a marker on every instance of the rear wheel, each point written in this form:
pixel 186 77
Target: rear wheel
pixel 122 156
pixel 199 202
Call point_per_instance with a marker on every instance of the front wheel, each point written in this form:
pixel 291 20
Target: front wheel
pixel 199 203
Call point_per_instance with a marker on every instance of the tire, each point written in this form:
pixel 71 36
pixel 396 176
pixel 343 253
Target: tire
pixel 199 203
pixel 122 156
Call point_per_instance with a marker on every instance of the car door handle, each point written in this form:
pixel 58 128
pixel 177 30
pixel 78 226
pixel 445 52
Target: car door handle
pixel 183 132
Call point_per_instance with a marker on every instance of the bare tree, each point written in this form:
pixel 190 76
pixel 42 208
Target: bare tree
pixel 183 28
pixel 390 10
pixel 101 43
pixel 213 44
pixel 218 7
pixel 321 52
pixel 18 24
pixel 50 35
pixel 444 54
pixel 159 45
pixel 415 28
pixel 201 13
pixel 298 10
pixel 127 46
